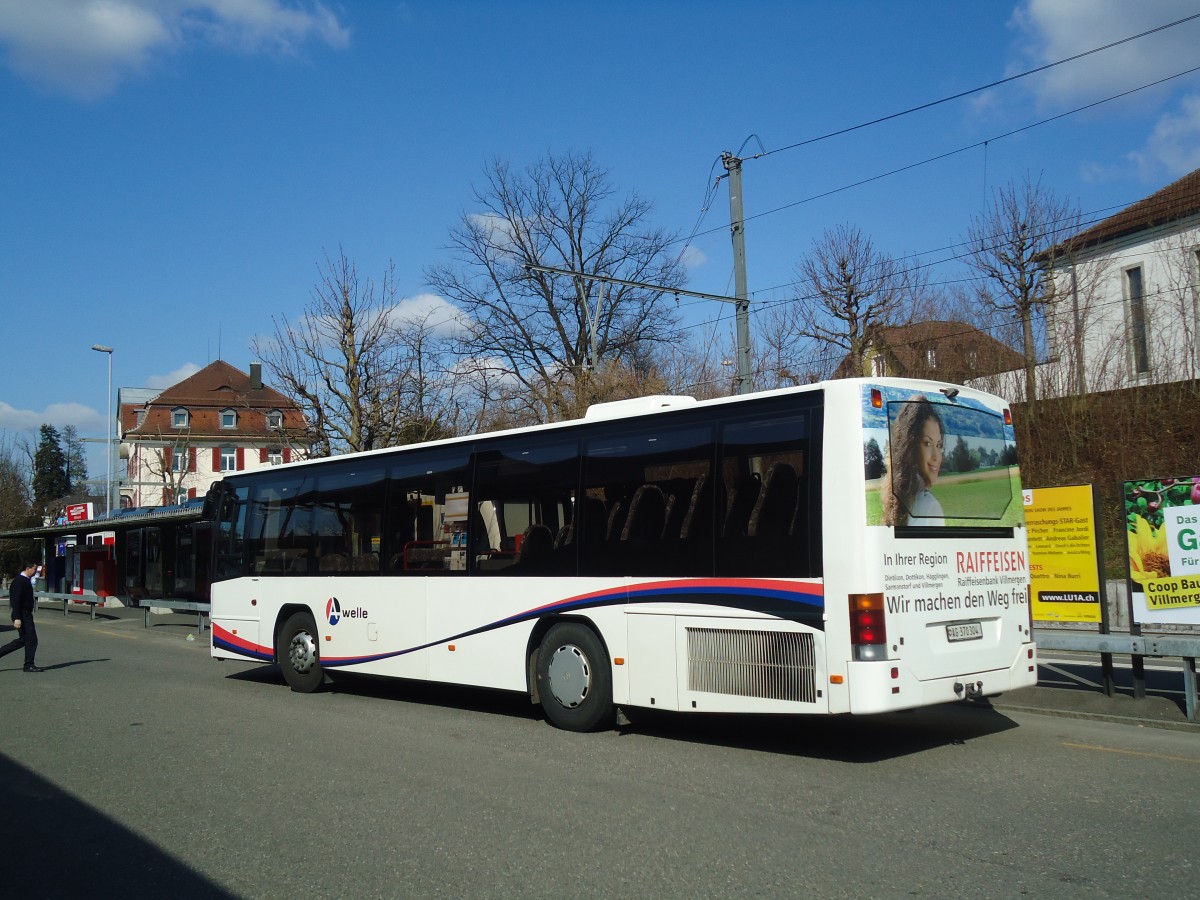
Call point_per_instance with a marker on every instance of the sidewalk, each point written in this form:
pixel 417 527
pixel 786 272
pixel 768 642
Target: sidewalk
pixel 1151 711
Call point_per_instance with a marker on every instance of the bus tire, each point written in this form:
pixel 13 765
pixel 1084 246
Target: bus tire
pixel 298 653
pixel 574 679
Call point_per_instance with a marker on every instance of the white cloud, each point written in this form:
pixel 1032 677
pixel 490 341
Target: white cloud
pixel 692 257
pixel 87 421
pixel 1174 145
pixel 1057 29
pixel 85 48
pixel 187 370
pixel 498 231
pixel 442 316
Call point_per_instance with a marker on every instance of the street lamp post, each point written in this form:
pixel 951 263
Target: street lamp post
pixel 100 348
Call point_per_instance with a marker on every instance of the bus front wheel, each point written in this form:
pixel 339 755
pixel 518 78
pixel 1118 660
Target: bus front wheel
pixel 298 655
pixel 574 678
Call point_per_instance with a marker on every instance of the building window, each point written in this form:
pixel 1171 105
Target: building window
pixel 1137 321
pixel 228 459
pixel 878 366
pixel 229 418
pixel 179 461
pixel 931 358
pixel 275 420
pixel 275 457
pixel 179 418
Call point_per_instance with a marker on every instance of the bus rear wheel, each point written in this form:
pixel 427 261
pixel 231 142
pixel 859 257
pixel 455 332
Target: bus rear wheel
pixel 574 678
pixel 298 654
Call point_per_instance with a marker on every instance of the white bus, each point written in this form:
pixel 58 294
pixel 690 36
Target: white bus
pixel 851 546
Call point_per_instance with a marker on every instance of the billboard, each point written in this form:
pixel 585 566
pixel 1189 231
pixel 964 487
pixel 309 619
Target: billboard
pixel 1162 519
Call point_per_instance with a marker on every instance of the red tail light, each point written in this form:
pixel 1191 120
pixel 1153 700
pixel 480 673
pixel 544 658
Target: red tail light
pixel 868 629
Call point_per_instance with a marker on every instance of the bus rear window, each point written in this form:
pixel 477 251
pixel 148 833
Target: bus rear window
pixel 942 463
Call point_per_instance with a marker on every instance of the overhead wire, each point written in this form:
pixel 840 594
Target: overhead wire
pixel 712 183
pixel 976 90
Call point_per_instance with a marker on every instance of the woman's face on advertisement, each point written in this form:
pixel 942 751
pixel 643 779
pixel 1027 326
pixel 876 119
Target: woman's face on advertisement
pixel 930 460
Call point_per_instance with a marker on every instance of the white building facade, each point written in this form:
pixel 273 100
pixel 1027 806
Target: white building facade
pixel 1127 307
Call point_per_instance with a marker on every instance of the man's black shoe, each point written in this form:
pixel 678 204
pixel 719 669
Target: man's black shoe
pixel 34 669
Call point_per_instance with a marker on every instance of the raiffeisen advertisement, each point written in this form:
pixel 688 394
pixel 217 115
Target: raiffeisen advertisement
pixel 1162 518
pixel 941 473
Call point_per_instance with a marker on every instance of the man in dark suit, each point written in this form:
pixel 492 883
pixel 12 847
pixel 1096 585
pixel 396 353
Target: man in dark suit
pixel 22 602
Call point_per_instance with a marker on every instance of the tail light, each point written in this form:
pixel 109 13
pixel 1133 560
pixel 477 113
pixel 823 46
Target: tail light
pixel 868 630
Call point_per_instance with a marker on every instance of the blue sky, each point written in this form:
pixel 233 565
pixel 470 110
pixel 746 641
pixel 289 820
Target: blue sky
pixel 174 170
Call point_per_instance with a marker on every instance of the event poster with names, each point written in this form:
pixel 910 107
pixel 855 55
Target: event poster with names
pixel 1063 563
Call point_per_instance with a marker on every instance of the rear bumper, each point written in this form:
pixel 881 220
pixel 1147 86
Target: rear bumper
pixel 874 689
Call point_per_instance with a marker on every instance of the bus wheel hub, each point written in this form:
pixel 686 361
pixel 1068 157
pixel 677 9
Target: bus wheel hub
pixel 570 676
pixel 303 652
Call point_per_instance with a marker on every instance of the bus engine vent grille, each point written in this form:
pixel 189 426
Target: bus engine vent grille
pixel 776 665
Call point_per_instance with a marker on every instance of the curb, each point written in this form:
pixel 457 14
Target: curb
pixel 1139 721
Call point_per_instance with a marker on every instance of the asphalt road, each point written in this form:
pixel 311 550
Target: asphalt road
pixel 137 766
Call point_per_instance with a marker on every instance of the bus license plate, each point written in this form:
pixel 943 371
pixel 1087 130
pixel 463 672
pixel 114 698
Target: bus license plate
pixel 964 631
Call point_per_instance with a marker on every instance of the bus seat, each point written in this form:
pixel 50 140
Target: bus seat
pixel 677 493
pixel 776 504
pixel 367 562
pixel 745 495
pixel 698 506
pixel 537 549
pixel 333 562
pixel 617 510
pixel 647 515
pixel 594 521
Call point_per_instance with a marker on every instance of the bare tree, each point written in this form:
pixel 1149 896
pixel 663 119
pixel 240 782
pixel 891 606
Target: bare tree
pixel 15 503
pixel 701 366
pixel 169 460
pixel 348 362
pixel 849 290
pixel 544 331
pixel 1010 246
pixel 1173 323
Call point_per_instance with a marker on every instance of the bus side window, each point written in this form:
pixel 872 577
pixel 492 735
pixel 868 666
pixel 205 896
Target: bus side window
pixel 524 502
pixel 648 476
pixel 417 539
pixel 766 482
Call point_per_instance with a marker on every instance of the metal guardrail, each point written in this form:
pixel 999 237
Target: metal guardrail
pixel 1186 647
pixel 67 599
pixel 169 603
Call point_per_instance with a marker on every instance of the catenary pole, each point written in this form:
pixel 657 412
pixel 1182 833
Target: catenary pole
pixel 737 229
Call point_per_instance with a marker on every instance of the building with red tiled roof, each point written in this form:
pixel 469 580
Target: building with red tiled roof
pixel 945 351
pixel 221 419
pixel 1127 297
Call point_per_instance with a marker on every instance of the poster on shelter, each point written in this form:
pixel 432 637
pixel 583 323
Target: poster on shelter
pixel 1162 528
pixel 1063 563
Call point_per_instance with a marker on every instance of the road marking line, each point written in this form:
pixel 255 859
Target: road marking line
pixel 128 637
pixel 1141 753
